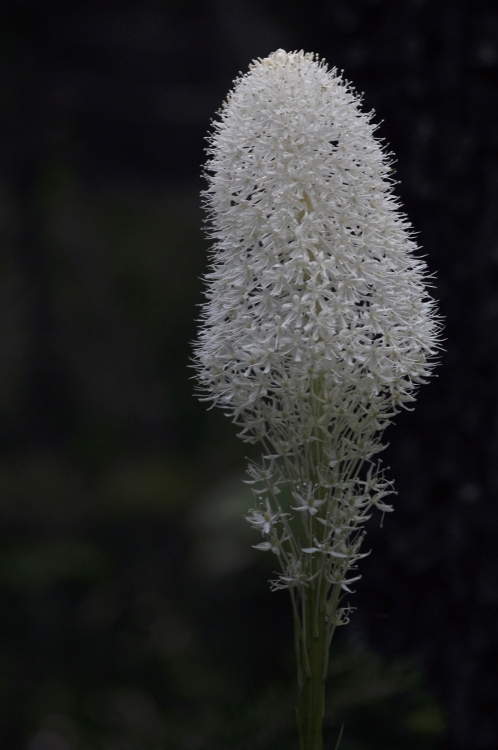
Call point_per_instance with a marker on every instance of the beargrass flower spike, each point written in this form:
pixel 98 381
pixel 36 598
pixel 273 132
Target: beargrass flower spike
pixel 317 328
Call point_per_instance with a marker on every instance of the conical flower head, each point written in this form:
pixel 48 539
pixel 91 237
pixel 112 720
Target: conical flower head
pixel 316 305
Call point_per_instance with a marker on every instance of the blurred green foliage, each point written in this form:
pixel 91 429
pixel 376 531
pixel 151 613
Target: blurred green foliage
pixel 142 619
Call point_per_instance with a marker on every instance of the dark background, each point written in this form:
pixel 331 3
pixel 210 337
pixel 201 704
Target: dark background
pixel 134 613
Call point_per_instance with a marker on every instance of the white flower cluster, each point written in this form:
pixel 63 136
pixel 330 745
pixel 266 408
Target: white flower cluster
pixel 317 326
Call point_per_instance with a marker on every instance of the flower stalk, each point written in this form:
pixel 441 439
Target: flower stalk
pixel 311 686
pixel 317 329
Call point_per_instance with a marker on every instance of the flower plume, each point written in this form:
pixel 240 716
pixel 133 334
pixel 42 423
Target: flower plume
pixel 317 325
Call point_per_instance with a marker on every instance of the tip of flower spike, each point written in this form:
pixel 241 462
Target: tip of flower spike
pixel 280 55
pixel 281 58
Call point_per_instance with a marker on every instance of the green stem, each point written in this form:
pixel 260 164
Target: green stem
pixel 312 672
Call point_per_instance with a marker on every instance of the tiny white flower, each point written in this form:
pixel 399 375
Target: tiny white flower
pixel 263 520
pixel 266 547
pixel 308 503
pixel 294 575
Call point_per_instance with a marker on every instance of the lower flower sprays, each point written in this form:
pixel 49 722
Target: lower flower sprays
pixel 317 328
